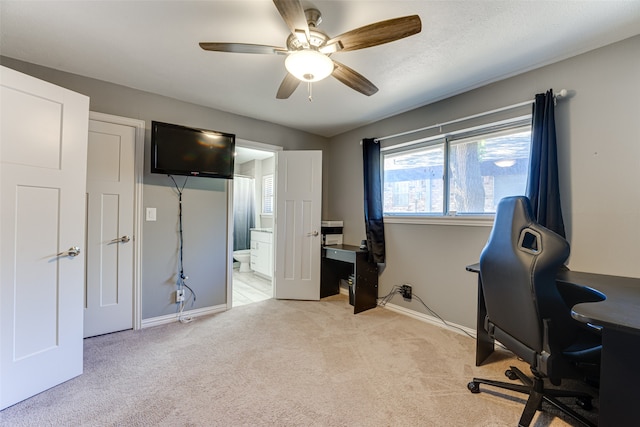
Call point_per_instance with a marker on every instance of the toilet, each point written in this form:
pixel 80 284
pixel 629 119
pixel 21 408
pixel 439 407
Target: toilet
pixel 244 258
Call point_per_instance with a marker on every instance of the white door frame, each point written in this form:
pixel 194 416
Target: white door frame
pixel 246 144
pixel 139 126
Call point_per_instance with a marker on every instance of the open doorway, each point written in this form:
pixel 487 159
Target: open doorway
pixel 253 202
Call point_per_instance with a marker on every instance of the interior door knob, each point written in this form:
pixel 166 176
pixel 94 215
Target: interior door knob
pixel 73 251
pixel 123 239
pixel 313 233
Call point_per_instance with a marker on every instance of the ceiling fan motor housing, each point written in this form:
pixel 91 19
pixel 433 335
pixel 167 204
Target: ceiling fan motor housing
pixel 317 39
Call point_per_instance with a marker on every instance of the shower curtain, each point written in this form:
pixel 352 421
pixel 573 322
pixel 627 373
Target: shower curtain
pixel 243 212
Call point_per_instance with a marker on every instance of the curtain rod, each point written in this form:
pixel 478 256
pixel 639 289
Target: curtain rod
pixel 561 94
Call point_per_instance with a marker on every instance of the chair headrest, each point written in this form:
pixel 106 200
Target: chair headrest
pixel 513 214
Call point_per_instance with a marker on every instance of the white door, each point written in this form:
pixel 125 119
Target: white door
pixel 43 157
pixel 110 218
pixel 297 228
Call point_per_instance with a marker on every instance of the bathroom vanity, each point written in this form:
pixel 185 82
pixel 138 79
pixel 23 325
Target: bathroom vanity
pixel 262 251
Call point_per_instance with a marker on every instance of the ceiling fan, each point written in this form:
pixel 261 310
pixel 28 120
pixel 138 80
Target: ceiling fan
pixel 308 48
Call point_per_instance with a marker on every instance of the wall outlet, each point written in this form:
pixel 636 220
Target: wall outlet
pixel 179 295
pixel 406 292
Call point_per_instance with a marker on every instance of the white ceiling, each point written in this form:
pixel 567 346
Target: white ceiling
pixel 153 46
pixel 244 154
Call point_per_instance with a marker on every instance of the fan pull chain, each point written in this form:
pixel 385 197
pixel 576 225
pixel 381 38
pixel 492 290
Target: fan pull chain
pixel 310 91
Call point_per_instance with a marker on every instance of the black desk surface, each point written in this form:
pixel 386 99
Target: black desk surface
pixel 619 310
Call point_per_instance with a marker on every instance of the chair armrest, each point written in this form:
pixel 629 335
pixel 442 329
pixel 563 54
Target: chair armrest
pixel 573 294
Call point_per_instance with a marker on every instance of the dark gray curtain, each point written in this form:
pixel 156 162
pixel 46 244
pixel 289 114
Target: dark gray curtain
pixel 373 200
pixel 542 184
pixel 243 212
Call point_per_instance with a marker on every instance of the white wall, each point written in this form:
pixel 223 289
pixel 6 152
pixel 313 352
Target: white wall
pixel 598 131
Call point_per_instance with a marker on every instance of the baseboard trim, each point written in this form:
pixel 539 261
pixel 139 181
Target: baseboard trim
pixel 424 317
pixel 170 318
pixel 431 320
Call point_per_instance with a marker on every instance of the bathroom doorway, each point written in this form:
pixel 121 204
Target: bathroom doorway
pixel 253 221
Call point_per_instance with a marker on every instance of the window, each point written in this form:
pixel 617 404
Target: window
pixel 267 194
pixel 465 173
pixel 413 180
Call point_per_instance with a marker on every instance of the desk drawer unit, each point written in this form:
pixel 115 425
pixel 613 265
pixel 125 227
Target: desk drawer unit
pixel 345 261
pixel 340 255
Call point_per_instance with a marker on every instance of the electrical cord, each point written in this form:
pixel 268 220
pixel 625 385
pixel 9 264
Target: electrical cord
pixel 181 282
pixel 441 319
pixel 385 299
pixel 179 190
pixel 397 290
pixel 183 303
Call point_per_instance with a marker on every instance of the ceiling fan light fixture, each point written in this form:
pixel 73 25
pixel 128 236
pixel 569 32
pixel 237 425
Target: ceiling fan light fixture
pixel 309 65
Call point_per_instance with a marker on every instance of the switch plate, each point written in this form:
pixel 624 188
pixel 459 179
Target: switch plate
pixel 151 214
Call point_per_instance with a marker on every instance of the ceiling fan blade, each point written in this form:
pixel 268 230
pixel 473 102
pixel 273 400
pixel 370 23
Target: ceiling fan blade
pixel 287 87
pixel 353 79
pixel 292 13
pixel 242 48
pixel 378 33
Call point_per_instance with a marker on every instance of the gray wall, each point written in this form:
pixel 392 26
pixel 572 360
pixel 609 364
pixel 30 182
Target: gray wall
pixel 599 154
pixel 204 200
pixel 598 130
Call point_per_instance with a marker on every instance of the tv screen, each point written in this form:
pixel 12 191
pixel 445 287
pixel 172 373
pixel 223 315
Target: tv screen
pixel 180 150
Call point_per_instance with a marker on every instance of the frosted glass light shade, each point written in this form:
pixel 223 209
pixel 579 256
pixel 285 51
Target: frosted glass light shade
pixel 309 65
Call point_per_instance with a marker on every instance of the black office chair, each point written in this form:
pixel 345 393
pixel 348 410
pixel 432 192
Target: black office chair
pixel 527 313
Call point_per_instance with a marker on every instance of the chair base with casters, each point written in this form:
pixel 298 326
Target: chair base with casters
pixel 534 387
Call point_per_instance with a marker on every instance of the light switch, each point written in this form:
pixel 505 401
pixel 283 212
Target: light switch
pixel 151 214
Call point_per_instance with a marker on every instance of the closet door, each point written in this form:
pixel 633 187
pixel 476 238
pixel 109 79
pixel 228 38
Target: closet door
pixel 43 157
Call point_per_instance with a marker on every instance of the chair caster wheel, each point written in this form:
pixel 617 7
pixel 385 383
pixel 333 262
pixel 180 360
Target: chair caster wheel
pixel 510 374
pixel 473 387
pixel 584 404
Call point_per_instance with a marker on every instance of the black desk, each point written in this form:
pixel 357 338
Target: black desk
pixel 341 261
pixel 619 316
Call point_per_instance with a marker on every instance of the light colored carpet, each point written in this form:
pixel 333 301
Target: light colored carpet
pixel 280 363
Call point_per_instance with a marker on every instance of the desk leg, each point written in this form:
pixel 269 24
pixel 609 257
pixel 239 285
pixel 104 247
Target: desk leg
pixel 366 284
pixel 619 378
pixel 484 343
pixel 330 273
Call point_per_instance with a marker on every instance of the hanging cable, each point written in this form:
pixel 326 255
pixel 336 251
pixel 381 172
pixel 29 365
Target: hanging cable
pixel 182 278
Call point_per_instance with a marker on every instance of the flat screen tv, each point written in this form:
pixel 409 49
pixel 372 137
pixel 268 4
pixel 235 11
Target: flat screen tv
pixel 181 150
